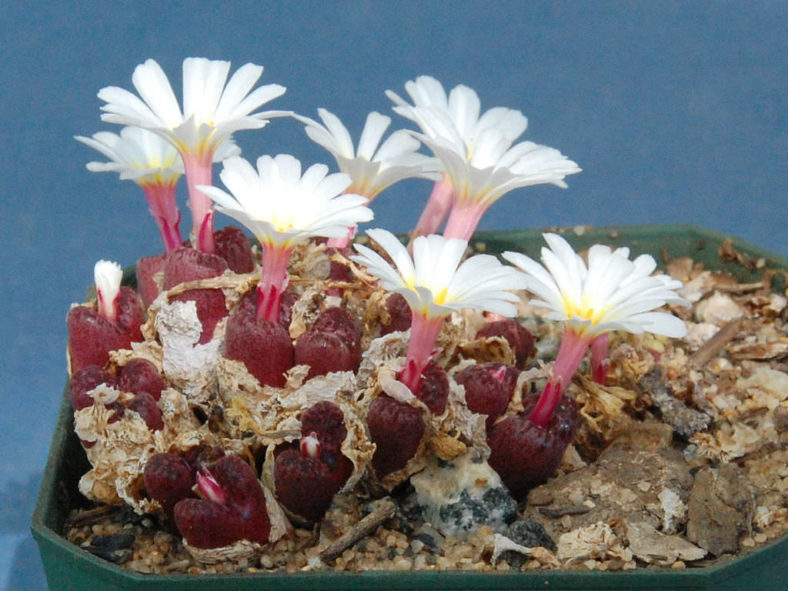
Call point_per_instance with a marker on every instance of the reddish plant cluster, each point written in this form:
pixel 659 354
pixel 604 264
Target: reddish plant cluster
pixel 232 506
pixel 214 500
pixel 139 377
pixel 309 472
pixel 262 345
pixel 333 343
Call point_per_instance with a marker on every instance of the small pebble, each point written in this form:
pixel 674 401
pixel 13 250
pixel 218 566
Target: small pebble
pixel 403 563
pixel 539 496
pixel 529 533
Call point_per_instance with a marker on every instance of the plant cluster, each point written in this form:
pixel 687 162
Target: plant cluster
pixel 338 349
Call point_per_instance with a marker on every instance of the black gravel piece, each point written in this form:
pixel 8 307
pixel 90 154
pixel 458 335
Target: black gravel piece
pixel 528 533
pixel 115 548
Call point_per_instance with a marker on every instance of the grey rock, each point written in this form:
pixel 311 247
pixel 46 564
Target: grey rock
pixel 654 547
pixel 685 421
pixel 458 497
pixel 637 479
pixel 720 509
pixel 429 536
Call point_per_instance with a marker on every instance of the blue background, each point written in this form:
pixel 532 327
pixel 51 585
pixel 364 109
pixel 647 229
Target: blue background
pixel 676 111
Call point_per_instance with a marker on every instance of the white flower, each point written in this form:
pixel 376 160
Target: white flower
pixel 143 156
pixel 434 282
pixel 477 152
pixel 136 154
pixel 482 164
pixel 107 277
pixel 456 116
pixel 611 293
pixel 282 207
pixel 152 163
pixel 373 166
pixel 212 111
pixel 496 167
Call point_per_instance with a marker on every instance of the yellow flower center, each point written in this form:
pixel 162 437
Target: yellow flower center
pixel 440 297
pixel 282 223
pixel 582 311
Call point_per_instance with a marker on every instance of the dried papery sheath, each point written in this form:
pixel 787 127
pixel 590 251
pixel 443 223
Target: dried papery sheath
pixel 213 109
pixel 107 276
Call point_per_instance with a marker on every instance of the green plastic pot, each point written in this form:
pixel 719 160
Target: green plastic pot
pixel 68 567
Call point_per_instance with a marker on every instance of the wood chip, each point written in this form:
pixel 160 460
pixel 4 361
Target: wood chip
pixel 556 512
pixel 742 287
pixel 761 351
pixel 727 252
pixel 366 526
pixel 90 516
pixel 715 344
pixel 241 283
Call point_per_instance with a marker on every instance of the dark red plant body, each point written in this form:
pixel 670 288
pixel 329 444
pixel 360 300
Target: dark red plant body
pixel 488 388
pixel 140 375
pixel 396 428
pixel 526 454
pixel 231 244
pixel 241 514
pixel 85 380
pixel 308 476
pixel 145 405
pixel 146 270
pixel 399 312
pixel 333 343
pixel 186 264
pixel 518 337
pixel 433 388
pixel 263 346
pixel 91 336
pixel 168 479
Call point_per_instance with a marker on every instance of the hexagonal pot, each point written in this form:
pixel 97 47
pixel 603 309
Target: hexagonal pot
pixel 69 567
